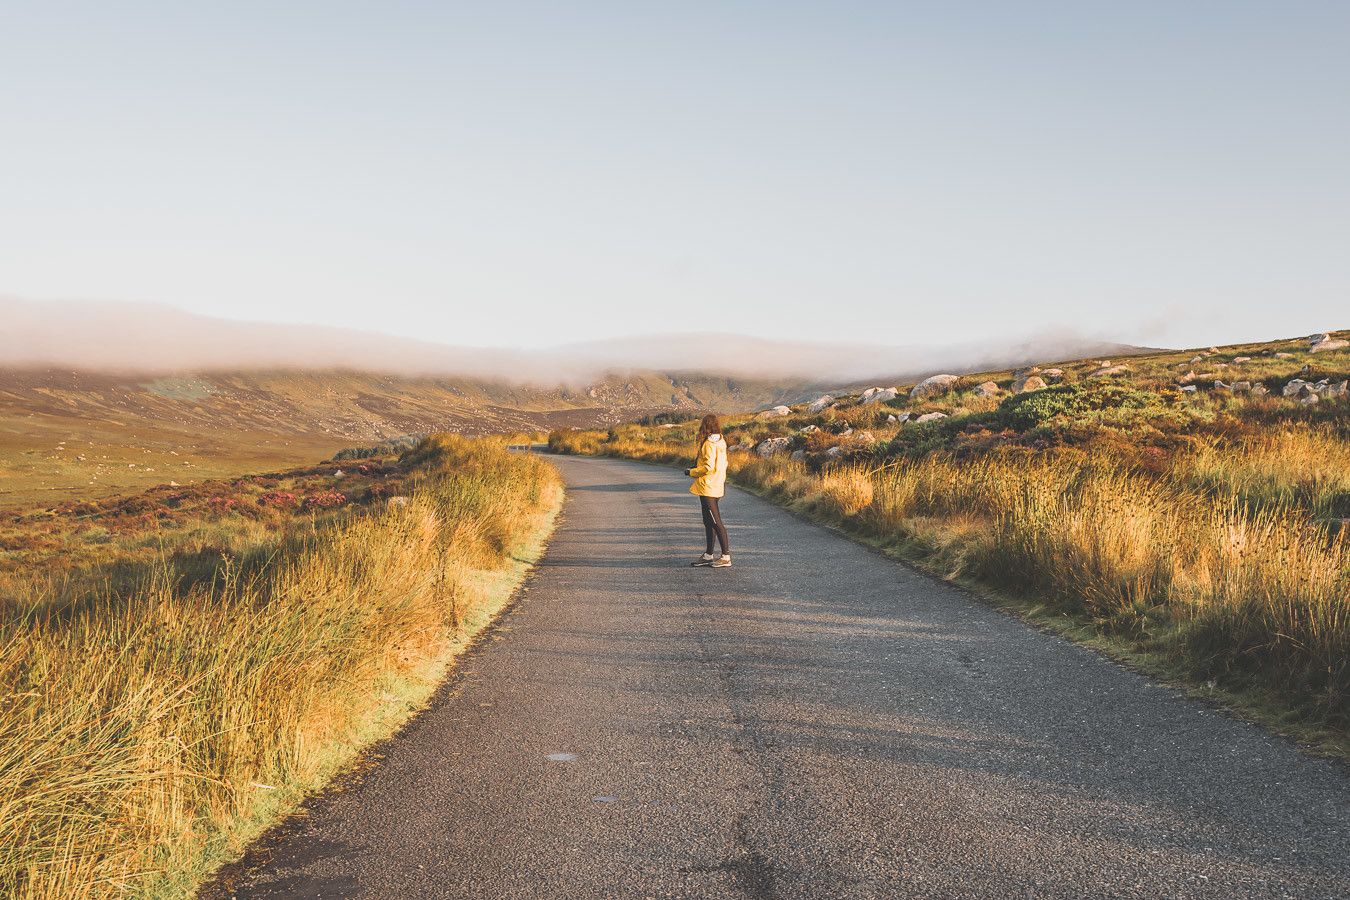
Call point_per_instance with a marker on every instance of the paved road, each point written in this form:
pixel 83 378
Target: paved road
pixel 815 722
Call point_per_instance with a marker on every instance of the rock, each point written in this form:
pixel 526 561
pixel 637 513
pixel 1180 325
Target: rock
pixel 1259 390
pixel 1028 384
pixel 1307 398
pixel 773 446
pixel 1196 359
pixel 776 412
pixel 878 395
pixel 834 452
pixel 1328 344
pixel 931 417
pixel 1189 376
pixel 865 437
pixel 934 386
pixel 1053 375
pixel 819 404
pixel 1108 371
pixel 846 432
pixel 1295 386
pixel 1188 389
pixel 1282 355
pixel 338 474
pixel 1220 386
pixel 1242 359
pixel 1242 386
pixel 809 429
pixel 798 455
pixel 1025 371
pixel 988 389
pixel 905 417
pixel 1318 338
pixel 1340 389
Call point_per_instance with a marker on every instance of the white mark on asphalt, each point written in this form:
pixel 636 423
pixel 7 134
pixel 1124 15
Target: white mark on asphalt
pixel 562 757
pixel 607 799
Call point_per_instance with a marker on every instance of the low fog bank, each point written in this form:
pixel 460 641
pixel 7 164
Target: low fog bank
pixel 144 338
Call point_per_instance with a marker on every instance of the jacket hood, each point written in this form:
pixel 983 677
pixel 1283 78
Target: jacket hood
pixel 713 437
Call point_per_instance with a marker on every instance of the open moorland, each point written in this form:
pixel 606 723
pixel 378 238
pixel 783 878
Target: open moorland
pixel 182 665
pixel 1185 510
pixel 66 435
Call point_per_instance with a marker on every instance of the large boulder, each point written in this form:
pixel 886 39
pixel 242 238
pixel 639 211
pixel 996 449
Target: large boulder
pixel 878 395
pixel 1320 343
pixel 1294 387
pixel 934 386
pixel 931 417
pixel 773 446
pixel 776 412
pixel 1030 383
pixel 988 389
pixel 819 404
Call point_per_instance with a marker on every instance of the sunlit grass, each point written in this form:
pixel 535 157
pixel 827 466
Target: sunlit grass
pixel 139 732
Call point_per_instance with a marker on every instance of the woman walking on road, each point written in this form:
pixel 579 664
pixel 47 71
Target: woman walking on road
pixel 710 478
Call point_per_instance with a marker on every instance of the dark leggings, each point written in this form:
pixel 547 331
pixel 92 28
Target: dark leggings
pixel 712 524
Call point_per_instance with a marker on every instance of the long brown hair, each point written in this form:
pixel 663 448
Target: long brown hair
pixel 710 425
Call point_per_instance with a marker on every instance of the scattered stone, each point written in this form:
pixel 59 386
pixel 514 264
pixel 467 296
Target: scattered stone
pixel 1295 386
pixel 1259 390
pixel 835 452
pixel 1307 398
pixel 1242 386
pixel 934 386
pixel 878 395
pixel 1109 370
pixel 1028 384
pixel 773 446
pixel 798 455
pixel 988 389
pixel 1282 355
pixel 1220 386
pixel 905 417
pixel 1025 371
pixel 1242 359
pixel 776 412
pixel 1196 359
pixel 891 420
pixel 1054 375
pixel 819 404
pixel 1188 389
pixel 931 417
pixel 809 429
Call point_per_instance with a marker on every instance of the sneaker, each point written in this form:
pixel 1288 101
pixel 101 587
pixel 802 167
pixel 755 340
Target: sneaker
pixel 706 559
pixel 722 562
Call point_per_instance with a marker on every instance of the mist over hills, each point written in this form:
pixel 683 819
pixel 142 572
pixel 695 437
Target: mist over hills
pixel 145 338
pixel 98 398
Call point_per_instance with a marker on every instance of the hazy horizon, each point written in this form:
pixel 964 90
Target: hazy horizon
pixel 157 339
pixel 527 175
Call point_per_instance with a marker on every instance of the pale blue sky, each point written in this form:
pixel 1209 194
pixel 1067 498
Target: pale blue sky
pixel 530 173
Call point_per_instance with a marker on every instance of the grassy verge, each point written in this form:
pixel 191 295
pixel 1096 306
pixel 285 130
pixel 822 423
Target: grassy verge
pixel 146 735
pixel 1242 603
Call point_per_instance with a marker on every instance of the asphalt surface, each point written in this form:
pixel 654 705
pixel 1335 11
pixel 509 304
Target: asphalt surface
pixel 816 721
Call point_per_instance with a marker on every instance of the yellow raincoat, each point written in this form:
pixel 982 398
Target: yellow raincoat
pixel 710 472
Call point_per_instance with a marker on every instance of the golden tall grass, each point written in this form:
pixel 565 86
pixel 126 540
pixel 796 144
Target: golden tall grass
pixel 142 736
pixel 1223 564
